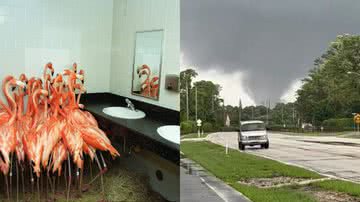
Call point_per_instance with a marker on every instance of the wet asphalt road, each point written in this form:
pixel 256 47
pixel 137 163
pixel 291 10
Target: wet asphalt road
pixel 339 157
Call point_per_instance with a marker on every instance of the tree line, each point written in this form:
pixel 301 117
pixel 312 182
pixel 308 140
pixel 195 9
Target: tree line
pixel 330 91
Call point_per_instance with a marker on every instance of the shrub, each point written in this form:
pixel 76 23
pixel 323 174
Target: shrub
pixel 288 128
pixel 338 124
pixel 207 127
pixel 187 127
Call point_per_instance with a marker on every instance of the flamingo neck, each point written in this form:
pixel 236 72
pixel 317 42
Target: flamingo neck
pixel 11 101
pixel 20 102
pixel 72 99
pixel 35 105
pixel 4 106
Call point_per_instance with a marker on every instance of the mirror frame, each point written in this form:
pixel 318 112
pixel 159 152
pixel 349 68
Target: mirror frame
pixel 160 65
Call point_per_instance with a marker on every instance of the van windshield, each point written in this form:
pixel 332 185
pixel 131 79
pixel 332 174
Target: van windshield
pixel 253 127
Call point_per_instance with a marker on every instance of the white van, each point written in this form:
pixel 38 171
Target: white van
pixel 253 133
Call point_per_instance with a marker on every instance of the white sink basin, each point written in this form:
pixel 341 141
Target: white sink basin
pixel 170 132
pixel 124 113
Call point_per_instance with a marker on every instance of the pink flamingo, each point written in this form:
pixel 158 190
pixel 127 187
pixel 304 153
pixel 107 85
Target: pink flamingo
pixel 55 123
pixel 154 92
pixel 8 129
pixel 145 85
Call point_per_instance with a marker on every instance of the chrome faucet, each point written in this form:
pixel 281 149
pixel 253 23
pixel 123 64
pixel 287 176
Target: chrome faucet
pixel 130 105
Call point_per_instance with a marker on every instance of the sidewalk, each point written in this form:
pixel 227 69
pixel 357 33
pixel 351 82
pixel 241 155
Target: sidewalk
pixel 193 189
pixel 198 185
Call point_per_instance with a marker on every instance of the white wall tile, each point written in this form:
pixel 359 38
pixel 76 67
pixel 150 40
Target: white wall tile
pixel 139 15
pixel 35 32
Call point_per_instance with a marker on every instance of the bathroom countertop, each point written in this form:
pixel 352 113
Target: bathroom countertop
pixel 146 126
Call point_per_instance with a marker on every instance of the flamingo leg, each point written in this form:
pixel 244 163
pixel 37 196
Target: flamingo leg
pixel 22 179
pixel 101 175
pixel 17 180
pixel 81 180
pixel 7 187
pixel 65 177
pixel 78 176
pixel 41 182
pixel 91 174
pixel 48 177
pixel 10 174
pixel 68 191
pixel 54 185
pixel 103 160
pixel 31 178
pixel 38 188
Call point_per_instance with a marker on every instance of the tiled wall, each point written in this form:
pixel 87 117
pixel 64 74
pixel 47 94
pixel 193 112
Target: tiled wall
pixel 98 34
pixel 139 15
pixel 37 31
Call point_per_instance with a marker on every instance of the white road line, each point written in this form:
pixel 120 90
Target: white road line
pixel 214 190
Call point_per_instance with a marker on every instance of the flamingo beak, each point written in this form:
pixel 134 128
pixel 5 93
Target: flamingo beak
pixel 82 81
pixel 13 88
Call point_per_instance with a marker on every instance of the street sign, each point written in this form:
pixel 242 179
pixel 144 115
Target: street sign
pixel 198 122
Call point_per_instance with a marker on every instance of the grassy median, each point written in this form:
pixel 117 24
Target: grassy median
pixel 238 166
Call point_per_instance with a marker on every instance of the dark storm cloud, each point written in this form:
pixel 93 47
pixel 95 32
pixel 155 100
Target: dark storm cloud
pixel 273 41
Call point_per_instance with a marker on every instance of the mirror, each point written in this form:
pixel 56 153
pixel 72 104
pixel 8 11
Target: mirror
pixel 147 63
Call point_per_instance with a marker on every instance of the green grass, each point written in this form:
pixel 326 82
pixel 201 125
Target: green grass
pixel 283 194
pixel 350 188
pixel 194 135
pixel 238 165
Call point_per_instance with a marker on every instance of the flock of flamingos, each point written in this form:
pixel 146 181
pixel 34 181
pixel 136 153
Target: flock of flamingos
pixel 150 86
pixel 43 129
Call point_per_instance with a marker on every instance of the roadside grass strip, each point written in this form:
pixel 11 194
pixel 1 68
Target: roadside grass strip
pixel 350 188
pixel 194 135
pixel 237 167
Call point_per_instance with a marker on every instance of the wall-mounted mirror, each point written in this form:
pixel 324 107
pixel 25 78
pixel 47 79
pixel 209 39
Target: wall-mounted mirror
pixel 147 63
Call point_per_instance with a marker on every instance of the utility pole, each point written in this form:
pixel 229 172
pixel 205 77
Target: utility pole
pixel 240 109
pixel 252 112
pixel 196 115
pixel 293 115
pixel 212 103
pixel 187 99
pixel 224 112
pixel 282 114
pixel 267 112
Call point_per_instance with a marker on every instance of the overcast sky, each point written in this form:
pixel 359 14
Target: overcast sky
pixel 261 49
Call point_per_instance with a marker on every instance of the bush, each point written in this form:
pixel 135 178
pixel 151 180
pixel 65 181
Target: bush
pixel 339 124
pixel 187 127
pixel 288 128
pixel 207 127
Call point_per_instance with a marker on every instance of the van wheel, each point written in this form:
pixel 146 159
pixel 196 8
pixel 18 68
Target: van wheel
pixel 266 145
pixel 241 146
